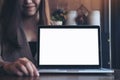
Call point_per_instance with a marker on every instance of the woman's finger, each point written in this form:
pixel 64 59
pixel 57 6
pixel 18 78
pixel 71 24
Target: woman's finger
pixel 23 69
pixel 36 73
pixel 16 71
pixel 29 68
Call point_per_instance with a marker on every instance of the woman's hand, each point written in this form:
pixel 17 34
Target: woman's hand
pixel 21 67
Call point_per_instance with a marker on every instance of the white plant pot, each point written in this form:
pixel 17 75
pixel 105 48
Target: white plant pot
pixel 57 22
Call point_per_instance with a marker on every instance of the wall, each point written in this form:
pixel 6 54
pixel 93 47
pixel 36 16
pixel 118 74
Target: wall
pixel 74 4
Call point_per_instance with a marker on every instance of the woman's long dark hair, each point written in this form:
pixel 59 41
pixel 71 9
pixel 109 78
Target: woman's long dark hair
pixel 10 19
pixel 9 22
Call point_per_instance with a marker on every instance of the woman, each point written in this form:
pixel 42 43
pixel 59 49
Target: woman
pixel 19 20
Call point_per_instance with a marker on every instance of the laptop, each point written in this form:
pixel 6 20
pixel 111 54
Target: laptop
pixel 70 49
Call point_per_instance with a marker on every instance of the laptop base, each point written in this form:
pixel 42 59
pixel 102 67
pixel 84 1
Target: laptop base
pixel 103 70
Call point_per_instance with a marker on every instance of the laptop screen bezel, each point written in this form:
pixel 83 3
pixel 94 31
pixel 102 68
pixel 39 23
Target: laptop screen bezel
pixel 69 66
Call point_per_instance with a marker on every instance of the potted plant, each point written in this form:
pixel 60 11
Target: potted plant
pixel 59 16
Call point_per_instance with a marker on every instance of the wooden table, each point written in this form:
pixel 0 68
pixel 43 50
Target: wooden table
pixel 61 77
pixel 115 76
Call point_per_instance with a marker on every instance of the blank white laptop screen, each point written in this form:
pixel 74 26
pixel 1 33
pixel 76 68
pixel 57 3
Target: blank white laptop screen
pixel 68 46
